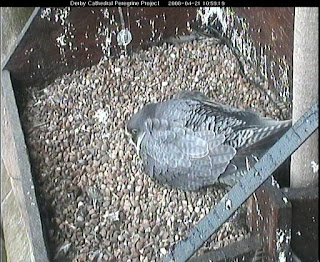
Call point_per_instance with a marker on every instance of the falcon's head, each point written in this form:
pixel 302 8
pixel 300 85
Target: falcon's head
pixel 136 125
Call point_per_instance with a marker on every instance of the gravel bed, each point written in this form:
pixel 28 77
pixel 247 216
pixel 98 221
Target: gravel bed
pixel 96 202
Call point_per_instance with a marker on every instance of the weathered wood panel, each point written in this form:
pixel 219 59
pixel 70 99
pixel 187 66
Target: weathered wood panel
pixel 20 214
pixel 269 214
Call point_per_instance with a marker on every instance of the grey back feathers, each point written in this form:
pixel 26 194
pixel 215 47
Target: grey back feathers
pixel 190 142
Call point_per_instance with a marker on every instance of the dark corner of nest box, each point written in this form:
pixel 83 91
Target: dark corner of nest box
pixel 269 217
pixel 305 220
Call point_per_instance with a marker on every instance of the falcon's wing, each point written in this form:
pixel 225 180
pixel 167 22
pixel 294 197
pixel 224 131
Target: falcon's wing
pixel 183 158
pixel 242 128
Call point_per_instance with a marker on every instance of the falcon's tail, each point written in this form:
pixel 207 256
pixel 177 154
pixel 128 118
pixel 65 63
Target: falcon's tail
pixel 267 135
pixel 246 157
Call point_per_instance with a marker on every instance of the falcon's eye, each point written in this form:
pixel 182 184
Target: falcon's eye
pixel 134 131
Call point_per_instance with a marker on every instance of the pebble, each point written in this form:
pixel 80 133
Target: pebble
pixel 80 219
pixel 163 251
pixel 120 238
pixel 155 230
pixel 138 188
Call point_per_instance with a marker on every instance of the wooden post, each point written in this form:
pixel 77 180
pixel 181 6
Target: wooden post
pixel 305 160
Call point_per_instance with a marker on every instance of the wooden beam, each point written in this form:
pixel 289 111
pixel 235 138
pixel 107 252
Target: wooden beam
pixel 20 213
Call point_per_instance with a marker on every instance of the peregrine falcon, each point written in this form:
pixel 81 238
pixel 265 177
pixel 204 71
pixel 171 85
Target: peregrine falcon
pixel 190 142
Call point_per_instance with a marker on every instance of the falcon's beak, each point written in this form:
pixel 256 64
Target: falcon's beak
pixel 135 139
pixel 139 140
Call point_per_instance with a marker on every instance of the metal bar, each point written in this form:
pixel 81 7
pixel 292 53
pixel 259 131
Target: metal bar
pixel 247 185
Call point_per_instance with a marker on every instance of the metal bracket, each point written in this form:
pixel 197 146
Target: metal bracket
pixel 124 37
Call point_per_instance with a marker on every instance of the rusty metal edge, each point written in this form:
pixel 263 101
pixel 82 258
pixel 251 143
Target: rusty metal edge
pixel 16 160
pixel 26 27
